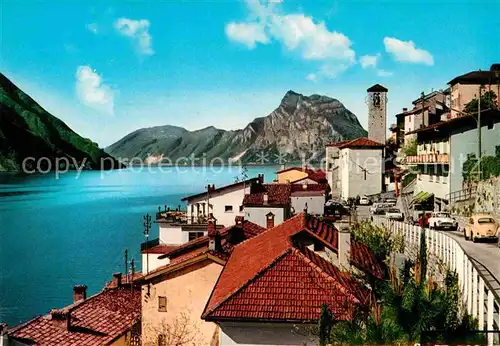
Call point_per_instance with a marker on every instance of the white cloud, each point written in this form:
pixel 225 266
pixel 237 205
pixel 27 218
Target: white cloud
pixel 312 77
pixel 369 60
pixel 313 40
pixel 405 51
pixel 247 33
pixel 138 31
pixel 298 33
pixel 92 92
pixel 92 27
pixel 384 73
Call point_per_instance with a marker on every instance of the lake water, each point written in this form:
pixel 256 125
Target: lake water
pixel 56 233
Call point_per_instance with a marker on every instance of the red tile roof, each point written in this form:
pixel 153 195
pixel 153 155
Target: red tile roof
pixel 277 195
pixel 317 175
pixel 97 320
pixel 292 289
pixel 231 236
pixel 338 144
pixel 160 249
pixel 281 282
pixel 359 143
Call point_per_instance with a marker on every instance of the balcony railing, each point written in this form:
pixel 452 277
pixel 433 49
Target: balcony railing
pixel 428 158
pixel 181 217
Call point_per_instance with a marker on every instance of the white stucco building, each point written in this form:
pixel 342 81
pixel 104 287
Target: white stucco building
pixel 443 149
pixel 225 203
pixel 355 167
pixel 268 204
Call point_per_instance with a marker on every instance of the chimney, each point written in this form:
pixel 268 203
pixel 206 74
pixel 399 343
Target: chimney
pixel 79 293
pixel 261 178
pixel 61 318
pixel 211 222
pixel 344 253
pixel 117 279
pixel 405 109
pixel 214 241
pixel 3 331
pixel 265 197
pixel 211 187
pixel 269 220
pixel 238 220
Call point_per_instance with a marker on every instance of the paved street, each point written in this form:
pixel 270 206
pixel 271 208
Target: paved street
pixel 485 254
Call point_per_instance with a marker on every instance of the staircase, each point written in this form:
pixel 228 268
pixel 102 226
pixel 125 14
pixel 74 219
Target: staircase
pixel 405 198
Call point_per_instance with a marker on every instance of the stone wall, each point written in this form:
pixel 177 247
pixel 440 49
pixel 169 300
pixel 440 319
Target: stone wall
pixel 486 200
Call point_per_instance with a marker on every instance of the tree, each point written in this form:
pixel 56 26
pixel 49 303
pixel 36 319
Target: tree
pixel 325 325
pixel 488 101
pixel 410 147
pixel 182 331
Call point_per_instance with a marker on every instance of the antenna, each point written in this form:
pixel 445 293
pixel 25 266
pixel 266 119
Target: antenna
pixel 147 229
pixel 126 263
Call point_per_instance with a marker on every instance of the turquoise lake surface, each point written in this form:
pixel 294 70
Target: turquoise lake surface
pixel 57 233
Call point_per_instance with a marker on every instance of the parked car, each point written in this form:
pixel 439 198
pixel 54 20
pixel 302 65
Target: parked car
pixel 392 201
pixel 394 214
pixel 481 226
pixel 336 209
pixel 380 208
pixel 442 220
pixel 364 201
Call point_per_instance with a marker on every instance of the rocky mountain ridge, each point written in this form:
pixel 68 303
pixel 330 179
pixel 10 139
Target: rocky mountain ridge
pixel 298 128
pixel 29 131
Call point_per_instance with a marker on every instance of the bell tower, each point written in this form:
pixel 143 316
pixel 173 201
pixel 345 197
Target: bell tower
pixel 377 113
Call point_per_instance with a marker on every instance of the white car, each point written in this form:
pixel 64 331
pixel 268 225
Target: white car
pixel 394 214
pixel 379 208
pixel 364 201
pixel 442 220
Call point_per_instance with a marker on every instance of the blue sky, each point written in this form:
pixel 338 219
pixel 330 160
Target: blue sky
pixel 107 68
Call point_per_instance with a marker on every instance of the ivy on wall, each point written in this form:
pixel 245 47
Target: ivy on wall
pixel 490 166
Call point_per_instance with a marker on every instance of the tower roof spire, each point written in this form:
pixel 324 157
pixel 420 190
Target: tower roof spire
pixel 377 88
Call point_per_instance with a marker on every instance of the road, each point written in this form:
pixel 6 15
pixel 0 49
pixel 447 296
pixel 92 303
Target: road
pixel 486 255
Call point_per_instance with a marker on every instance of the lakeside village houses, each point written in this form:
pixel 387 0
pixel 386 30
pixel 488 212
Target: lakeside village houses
pixel 248 262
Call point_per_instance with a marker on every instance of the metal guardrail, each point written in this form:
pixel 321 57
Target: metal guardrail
pixel 479 296
pixel 462 195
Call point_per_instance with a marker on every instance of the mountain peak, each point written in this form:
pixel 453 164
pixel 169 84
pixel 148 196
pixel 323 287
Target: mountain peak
pixel 291 99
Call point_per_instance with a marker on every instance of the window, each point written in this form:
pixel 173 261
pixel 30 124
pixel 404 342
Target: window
pixel 241 208
pixel 194 235
pixel 485 220
pixel 228 208
pixel 319 246
pixel 162 304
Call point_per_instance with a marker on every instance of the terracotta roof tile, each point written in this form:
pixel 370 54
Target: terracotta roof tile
pixel 361 143
pixel 317 175
pixel 292 288
pixel 95 321
pixel 272 249
pixel 277 195
pixel 230 237
pixel 160 249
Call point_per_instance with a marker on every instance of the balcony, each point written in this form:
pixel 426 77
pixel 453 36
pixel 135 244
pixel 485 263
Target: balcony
pixel 428 158
pixel 180 218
